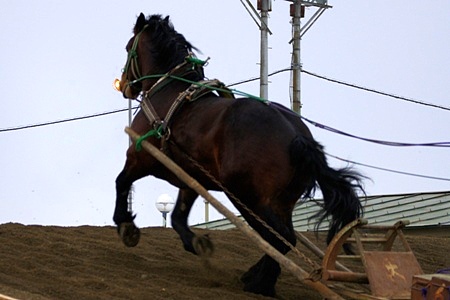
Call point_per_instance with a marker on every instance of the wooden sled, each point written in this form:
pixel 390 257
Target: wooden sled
pixel 387 269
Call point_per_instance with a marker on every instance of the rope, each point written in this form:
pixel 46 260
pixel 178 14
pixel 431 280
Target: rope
pixel 314 275
pixel 234 91
pixel 154 132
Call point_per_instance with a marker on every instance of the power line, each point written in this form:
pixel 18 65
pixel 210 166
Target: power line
pixel 233 84
pixel 126 109
pixel 388 170
pixel 65 120
pixel 257 78
pixel 349 85
pixel 319 125
pixel 386 143
pixel 375 91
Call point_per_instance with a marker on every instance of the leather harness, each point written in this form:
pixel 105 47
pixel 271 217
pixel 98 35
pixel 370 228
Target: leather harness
pixel 195 91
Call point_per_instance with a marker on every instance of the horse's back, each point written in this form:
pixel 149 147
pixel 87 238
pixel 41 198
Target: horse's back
pixel 242 127
pixel 244 142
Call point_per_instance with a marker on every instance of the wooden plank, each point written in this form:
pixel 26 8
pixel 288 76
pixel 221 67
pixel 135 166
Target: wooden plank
pixel 349 257
pixel 390 273
pixel 373 240
pixel 4 297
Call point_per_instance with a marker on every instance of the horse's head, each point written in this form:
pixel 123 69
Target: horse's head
pixel 154 49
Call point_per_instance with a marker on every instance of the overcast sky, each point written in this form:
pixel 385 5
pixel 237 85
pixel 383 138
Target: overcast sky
pixel 58 60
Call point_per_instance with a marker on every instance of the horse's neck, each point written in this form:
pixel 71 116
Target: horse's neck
pixel 163 98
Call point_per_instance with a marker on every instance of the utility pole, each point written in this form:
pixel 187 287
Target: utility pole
pixel 262 21
pixel 116 86
pixel 264 6
pixel 206 211
pixel 130 193
pixel 297 11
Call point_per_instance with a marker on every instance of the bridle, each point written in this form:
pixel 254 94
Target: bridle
pixel 132 75
pixel 132 64
pixel 190 65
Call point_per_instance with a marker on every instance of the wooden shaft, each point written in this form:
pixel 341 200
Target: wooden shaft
pixel 265 246
pixel 317 251
pixel 345 276
pixel 348 257
pixel 4 297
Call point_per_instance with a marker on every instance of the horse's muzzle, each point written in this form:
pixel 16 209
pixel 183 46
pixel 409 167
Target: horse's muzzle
pixel 129 90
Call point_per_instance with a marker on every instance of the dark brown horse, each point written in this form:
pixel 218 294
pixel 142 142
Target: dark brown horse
pixel 258 152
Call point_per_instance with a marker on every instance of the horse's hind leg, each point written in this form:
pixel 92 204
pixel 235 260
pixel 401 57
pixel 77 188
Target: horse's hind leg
pixel 200 245
pixel 262 277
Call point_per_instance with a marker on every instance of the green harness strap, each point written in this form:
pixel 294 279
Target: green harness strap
pixel 154 132
pixel 219 88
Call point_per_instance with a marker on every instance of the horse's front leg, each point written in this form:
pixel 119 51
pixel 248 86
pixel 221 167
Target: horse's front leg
pixel 123 218
pixel 200 245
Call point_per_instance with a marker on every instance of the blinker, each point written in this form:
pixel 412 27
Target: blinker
pixel 116 84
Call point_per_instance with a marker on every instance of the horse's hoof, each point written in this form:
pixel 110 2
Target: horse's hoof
pixel 130 234
pixel 203 245
pixel 268 291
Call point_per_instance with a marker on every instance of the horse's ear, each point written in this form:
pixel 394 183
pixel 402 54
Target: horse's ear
pixel 167 22
pixel 140 23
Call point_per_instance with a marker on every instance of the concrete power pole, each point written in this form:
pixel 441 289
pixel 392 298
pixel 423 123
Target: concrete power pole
pixel 264 6
pixel 297 11
pixel 130 193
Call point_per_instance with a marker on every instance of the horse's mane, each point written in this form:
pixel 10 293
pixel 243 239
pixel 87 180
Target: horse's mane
pixel 168 47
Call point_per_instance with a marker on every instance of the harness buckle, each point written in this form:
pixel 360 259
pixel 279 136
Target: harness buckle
pixel 190 91
pixel 160 127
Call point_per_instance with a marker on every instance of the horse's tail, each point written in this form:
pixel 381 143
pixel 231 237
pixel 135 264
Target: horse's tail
pixel 339 186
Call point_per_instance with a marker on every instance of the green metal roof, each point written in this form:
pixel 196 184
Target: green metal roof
pixel 421 209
